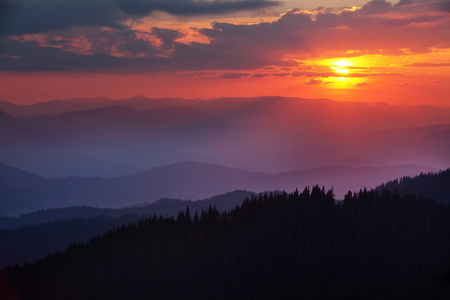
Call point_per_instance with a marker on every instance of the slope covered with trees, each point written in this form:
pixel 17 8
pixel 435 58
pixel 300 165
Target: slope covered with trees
pixel 35 235
pixel 166 207
pixel 374 245
pixel 32 242
pixel 432 185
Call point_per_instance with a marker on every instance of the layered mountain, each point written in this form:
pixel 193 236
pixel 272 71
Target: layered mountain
pixel 265 134
pixel 112 153
pixel 270 110
pixel 25 192
pixel 58 107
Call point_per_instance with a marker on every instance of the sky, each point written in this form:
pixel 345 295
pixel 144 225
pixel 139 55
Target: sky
pixel 396 52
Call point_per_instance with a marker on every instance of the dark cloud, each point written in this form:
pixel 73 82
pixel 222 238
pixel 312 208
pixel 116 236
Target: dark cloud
pixel 29 17
pixel 376 7
pixel 167 37
pixel 443 6
pixel 114 54
pixel 32 57
pixel 190 7
pixel 36 16
pixel 234 75
pixel 408 2
pixel 97 40
pixel 282 74
pixel 405 2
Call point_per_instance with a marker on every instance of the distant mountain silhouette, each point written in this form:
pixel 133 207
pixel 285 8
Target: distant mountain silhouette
pixel 270 109
pixel 305 114
pixel 58 107
pixel 25 192
pixel 55 107
pixel 4 117
pixel 54 165
pixel 16 178
pixel 121 118
pixel 57 150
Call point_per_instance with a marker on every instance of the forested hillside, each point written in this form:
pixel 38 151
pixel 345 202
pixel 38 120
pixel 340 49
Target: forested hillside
pixel 166 207
pixel 33 236
pixel 31 242
pixel 432 185
pixel 374 245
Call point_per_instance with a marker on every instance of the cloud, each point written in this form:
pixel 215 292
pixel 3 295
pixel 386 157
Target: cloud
pixel 314 81
pixel 167 37
pixel 260 75
pixel 234 75
pixel 32 58
pixel 297 34
pixel 434 5
pixel 376 7
pixel 36 16
pixel 428 65
pixel 386 74
pixel 405 2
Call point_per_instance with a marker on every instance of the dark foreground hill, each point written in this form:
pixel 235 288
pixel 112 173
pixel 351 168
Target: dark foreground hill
pixel 375 245
pixel 32 242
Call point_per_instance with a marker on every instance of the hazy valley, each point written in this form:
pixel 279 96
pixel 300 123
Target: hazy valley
pixel 115 153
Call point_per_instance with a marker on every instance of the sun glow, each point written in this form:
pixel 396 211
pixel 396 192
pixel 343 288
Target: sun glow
pixel 341 71
pixel 340 66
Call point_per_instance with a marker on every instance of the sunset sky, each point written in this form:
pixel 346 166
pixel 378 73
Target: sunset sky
pixel 397 52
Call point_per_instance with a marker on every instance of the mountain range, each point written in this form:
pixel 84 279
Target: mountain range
pixel 110 138
pixel 24 192
pixel 114 153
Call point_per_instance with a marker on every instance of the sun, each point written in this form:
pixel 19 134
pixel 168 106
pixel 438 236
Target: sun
pixel 341 66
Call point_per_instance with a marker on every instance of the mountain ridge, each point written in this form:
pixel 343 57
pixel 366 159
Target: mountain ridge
pixel 186 180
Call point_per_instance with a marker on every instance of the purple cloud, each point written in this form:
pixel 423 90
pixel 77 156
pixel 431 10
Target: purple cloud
pixel 30 17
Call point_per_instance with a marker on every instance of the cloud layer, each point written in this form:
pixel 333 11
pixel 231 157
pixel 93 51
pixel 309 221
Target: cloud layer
pixel 101 43
pixel 35 16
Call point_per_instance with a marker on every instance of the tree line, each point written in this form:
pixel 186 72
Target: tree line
pixel 299 245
